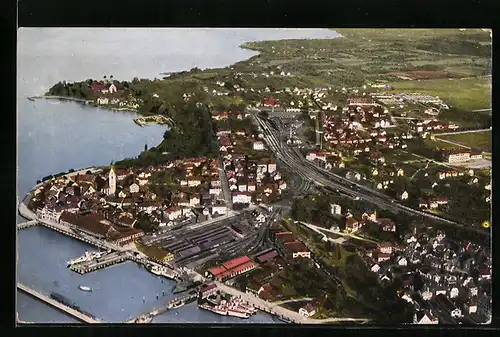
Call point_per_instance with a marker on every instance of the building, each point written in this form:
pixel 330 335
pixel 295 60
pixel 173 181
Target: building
pixel 219 209
pixel 360 101
pixel 425 317
pixel 271 103
pixel 48 214
pixel 125 236
pixel 404 195
pixel 386 225
pixel 448 306
pixel 455 156
pixel 369 215
pixel 297 250
pixel 266 257
pixel 308 310
pixel 112 181
pixel 474 155
pixel 352 225
pixel 207 290
pixel 258 146
pixel 386 248
pixel 253 288
pixel 242 197
pixel 134 188
pixel 335 209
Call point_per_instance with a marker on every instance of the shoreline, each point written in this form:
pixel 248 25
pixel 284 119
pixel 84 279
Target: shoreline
pixel 82 101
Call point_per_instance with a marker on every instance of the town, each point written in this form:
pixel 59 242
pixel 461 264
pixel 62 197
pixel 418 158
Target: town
pixel 318 204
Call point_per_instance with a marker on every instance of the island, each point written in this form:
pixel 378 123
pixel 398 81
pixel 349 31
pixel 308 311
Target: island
pixel 322 181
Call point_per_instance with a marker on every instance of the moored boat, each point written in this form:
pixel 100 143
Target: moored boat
pixel 85 288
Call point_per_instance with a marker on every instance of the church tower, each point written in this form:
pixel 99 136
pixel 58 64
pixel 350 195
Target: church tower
pixel 112 181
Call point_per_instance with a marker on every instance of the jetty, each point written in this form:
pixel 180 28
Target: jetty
pixel 99 263
pixel 173 304
pixel 73 312
pixel 60 98
pixel 27 224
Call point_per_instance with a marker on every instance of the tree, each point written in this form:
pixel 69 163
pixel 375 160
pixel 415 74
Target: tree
pixel 135 80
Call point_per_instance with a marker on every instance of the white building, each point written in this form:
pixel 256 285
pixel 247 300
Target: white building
pixel 219 209
pixel 173 213
pixel 134 188
pixel 458 157
pixel 215 190
pixel 242 197
pixel 258 145
pixel 425 318
pixel 48 214
pixel 375 268
pixel 404 195
pixel 335 209
pixel 103 100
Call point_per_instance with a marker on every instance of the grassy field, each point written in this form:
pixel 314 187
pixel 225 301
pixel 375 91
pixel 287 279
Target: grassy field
pixel 481 140
pixel 437 144
pixel 466 93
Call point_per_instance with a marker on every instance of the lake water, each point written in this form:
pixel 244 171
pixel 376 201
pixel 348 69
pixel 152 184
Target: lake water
pixel 55 137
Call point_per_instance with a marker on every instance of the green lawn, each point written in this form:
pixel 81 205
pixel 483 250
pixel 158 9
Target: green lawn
pixel 465 94
pixel 480 140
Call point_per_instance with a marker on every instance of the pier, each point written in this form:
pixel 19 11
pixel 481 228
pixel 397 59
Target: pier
pixel 75 313
pixel 27 224
pixel 96 264
pixel 148 316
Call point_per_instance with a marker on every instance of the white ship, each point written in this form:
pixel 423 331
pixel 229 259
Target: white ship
pixel 161 271
pixel 235 308
pixel 86 257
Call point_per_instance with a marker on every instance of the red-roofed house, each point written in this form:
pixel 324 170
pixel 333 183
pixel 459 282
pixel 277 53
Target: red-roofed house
pixel 387 225
pixel 271 102
pixel 236 262
pixel 296 250
pixel 240 269
pixel 215 271
pixel 208 289
pixel 267 256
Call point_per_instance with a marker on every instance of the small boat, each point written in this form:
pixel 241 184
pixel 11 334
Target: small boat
pixel 31 99
pixel 85 288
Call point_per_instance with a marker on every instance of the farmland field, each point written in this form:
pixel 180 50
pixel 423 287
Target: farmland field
pixel 465 93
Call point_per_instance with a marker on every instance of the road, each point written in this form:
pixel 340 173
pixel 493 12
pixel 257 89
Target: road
pixel 339 240
pixel 327 179
pixel 224 184
pixel 461 132
pixel 453 143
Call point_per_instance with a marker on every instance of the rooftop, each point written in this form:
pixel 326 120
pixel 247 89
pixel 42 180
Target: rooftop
pixel 236 262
